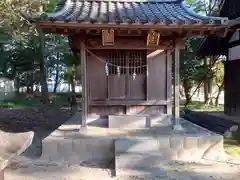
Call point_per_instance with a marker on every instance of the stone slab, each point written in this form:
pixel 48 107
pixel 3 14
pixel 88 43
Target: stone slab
pixel 77 150
pixel 138 164
pixel 128 121
pixel 145 145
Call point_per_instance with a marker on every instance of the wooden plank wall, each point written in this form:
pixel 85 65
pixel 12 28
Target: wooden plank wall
pixel 156 79
pixel 97 79
pixel 232 74
pixel 232 87
pixel 100 92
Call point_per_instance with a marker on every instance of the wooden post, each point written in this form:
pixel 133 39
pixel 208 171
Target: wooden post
pixel 2 175
pixel 176 87
pixel 169 81
pixel 84 85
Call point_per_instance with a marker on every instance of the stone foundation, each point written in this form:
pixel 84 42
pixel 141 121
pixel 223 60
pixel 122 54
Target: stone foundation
pixel 134 148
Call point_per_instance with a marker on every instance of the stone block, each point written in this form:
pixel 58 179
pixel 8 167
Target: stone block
pixel 203 143
pixel 164 141
pixel 65 149
pixel 79 145
pixel 138 164
pixel 128 121
pixel 176 142
pixel 168 154
pixel 190 142
pixel 136 145
pixel 49 149
pixel 94 148
pixel 184 155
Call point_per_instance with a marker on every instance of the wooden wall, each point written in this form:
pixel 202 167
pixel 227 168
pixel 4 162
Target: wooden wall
pixel 100 95
pixel 156 79
pixel 231 77
pixel 232 87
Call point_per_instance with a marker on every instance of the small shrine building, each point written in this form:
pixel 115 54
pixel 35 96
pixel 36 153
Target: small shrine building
pixel 129 50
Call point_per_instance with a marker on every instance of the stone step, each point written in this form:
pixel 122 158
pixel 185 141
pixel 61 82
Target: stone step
pixel 132 155
pixel 138 164
pixel 138 157
pixel 128 121
pixel 143 145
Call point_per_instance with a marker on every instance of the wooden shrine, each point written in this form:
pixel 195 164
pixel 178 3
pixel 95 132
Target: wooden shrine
pixel 126 49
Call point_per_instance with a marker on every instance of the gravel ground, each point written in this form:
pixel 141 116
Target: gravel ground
pixel 39 170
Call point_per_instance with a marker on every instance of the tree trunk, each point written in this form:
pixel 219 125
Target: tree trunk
pixel 210 84
pixel 187 85
pixel 220 88
pixel 16 85
pixel 43 76
pixel 210 80
pixel 206 94
pixel 73 93
pixel 56 79
pixel 182 93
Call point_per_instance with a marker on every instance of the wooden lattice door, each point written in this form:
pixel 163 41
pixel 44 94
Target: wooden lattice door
pixel 127 75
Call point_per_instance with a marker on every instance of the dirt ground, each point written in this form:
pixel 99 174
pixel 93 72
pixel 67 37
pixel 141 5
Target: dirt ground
pixel 37 170
pixel 42 119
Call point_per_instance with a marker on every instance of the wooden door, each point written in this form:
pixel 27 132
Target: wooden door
pixel 127 75
pixel 117 75
pixel 136 61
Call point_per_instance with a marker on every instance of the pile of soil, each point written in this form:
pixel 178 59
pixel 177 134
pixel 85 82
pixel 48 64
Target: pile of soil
pixel 40 118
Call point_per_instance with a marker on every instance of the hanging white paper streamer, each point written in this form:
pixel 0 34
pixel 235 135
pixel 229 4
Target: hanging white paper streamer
pixel 147 70
pixel 118 71
pixel 106 69
pixel 134 74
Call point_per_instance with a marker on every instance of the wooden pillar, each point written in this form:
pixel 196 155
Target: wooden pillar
pixel 2 175
pixel 84 85
pixel 176 88
pixel 169 81
pixel 226 86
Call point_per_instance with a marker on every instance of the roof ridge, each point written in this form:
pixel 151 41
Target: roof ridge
pixel 160 1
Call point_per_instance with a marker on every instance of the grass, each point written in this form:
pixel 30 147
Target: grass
pixel 21 101
pixel 232 145
pixel 200 106
pixel 18 103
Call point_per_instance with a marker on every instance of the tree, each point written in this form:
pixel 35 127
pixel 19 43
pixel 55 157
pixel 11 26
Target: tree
pixel 218 79
pixel 11 20
pixel 195 70
pixel 190 63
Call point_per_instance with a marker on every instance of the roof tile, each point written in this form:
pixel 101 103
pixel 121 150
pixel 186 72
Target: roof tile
pixel 129 11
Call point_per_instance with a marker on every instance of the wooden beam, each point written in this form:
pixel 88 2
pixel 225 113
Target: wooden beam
pixel 84 85
pixel 129 103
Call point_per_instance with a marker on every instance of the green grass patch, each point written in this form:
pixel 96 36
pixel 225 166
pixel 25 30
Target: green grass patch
pixel 22 101
pixel 200 106
pixel 18 103
pixel 232 146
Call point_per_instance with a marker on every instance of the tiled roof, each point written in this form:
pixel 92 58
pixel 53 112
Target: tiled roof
pixel 162 12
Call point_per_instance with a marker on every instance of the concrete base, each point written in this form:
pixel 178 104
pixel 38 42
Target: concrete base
pixel 178 128
pixel 134 150
pixel 128 121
